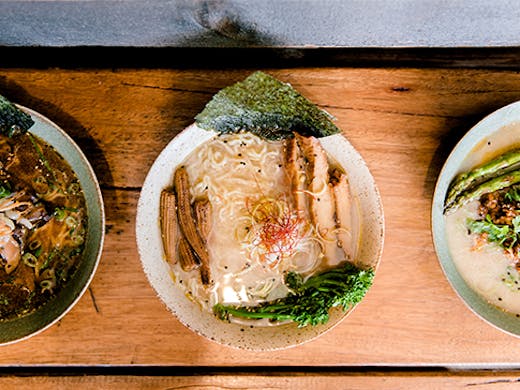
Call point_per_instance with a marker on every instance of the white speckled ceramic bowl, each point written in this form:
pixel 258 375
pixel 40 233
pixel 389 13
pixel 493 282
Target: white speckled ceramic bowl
pixel 471 150
pixel 150 246
pixel 26 326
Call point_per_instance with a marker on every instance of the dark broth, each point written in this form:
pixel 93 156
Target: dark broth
pixel 42 224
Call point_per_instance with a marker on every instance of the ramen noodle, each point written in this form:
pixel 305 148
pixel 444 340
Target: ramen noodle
pixel 271 207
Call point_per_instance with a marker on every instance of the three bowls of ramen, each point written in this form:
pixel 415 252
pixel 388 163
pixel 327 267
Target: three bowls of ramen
pixel 474 219
pixel 52 224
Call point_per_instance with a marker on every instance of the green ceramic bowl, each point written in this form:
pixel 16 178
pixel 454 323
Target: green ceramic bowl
pixel 24 327
pixel 492 134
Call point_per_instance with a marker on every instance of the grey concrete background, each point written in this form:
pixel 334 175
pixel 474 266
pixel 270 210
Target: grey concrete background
pixel 267 23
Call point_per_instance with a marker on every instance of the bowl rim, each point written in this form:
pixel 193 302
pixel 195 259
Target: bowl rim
pixel 194 132
pixel 100 214
pixel 488 125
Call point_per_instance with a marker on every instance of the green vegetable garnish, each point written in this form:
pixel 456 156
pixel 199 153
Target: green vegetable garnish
pixel 13 121
pixel 512 194
pixel 490 176
pixel 266 107
pixel 495 184
pixel 309 302
pixel 503 235
pixel 5 190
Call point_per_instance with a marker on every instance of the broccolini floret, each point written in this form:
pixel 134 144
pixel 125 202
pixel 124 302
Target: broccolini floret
pixel 309 302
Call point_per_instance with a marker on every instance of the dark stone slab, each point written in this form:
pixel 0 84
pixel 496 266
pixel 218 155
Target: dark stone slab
pixel 266 23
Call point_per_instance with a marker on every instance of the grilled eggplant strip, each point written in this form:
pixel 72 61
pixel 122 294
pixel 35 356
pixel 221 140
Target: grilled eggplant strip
pixel 202 210
pixel 322 197
pixel 169 226
pixel 187 258
pixel 186 217
pixel 295 164
pixel 344 217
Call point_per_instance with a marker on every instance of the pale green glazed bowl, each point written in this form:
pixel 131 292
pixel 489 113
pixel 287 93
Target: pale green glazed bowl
pixel 475 141
pixel 24 327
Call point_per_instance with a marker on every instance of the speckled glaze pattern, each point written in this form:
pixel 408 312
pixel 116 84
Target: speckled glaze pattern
pixel 239 336
pixel 470 144
pixel 24 327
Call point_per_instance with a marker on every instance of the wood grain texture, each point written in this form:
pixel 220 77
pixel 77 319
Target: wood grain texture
pixel 404 122
pixel 495 381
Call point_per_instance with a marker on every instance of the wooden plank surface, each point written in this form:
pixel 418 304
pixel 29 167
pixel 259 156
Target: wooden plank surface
pixel 495 381
pixel 404 122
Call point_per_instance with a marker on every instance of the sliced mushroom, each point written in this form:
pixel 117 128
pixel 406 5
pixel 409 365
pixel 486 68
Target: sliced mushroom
pixel 344 215
pixel 322 197
pixel 10 253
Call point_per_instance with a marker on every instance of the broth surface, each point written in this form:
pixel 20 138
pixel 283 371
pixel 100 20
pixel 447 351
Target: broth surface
pixel 486 269
pixel 42 224
pixel 241 174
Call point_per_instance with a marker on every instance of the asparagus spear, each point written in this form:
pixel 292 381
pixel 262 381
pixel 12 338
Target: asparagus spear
pixel 464 181
pixel 492 185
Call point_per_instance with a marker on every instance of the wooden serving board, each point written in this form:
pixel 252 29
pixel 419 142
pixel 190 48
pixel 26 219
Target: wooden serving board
pixel 404 122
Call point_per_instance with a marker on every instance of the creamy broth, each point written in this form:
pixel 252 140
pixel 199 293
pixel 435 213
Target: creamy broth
pixel 238 174
pixel 485 268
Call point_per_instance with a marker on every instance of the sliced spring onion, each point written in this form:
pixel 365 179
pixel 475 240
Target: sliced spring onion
pixel 70 221
pixel 78 239
pixel 60 214
pixel 30 260
pixel 47 285
pixel 35 244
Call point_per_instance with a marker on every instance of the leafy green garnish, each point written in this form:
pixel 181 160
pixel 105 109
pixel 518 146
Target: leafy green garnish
pixel 309 302
pixel 5 190
pixel 13 121
pixel 512 194
pixel 267 107
pixel 503 235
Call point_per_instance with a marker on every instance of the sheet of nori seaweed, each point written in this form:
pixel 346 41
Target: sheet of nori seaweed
pixel 266 107
pixel 13 121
